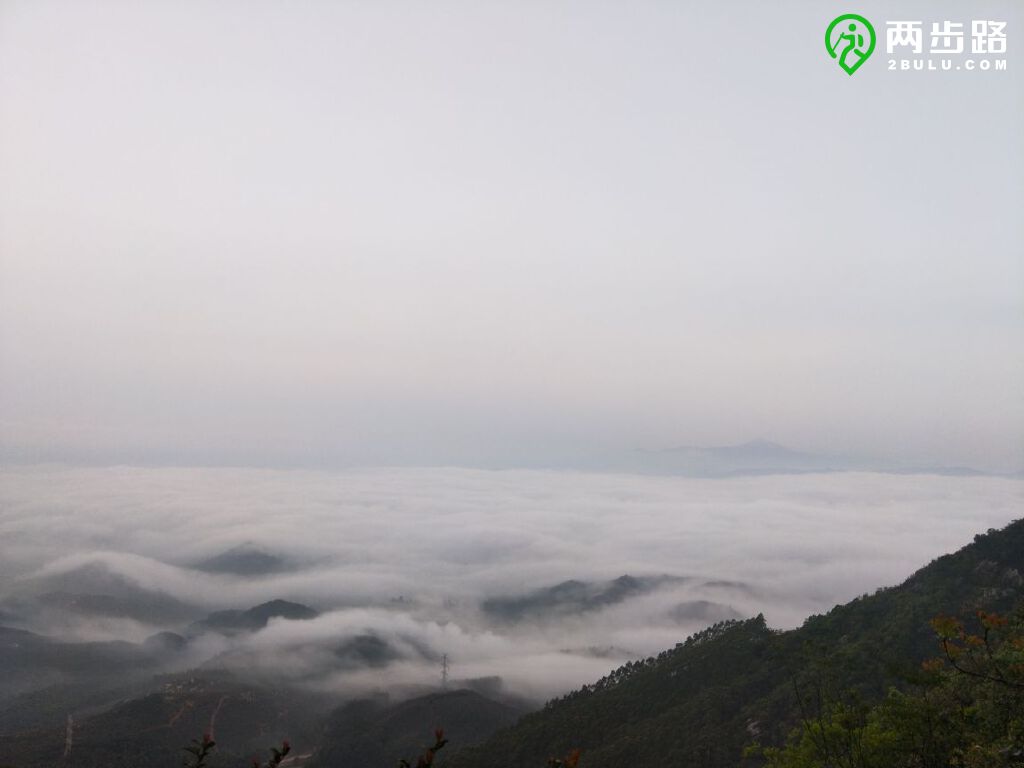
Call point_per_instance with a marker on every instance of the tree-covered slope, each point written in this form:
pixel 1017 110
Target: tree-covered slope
pixel 377 733
pixel 149 731
pixel 700 703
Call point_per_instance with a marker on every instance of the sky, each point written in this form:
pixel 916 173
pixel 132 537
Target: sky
pixel 314 234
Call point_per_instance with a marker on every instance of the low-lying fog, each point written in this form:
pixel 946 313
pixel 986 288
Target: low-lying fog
pixel 402 566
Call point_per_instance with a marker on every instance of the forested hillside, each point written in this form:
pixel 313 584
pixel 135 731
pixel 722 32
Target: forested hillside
pixel 738 683
pixel 377 733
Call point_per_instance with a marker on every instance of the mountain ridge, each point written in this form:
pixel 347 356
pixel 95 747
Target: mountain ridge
pixel 760 456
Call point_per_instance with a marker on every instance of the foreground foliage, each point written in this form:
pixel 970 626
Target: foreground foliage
pixel 201 749
pixel 966 710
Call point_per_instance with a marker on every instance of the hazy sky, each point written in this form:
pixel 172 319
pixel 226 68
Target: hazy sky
pixel 501 233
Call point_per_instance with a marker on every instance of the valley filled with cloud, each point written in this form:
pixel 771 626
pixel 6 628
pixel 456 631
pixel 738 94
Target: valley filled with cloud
pixel 362 580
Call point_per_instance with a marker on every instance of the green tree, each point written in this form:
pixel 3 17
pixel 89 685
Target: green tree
pixel 964 710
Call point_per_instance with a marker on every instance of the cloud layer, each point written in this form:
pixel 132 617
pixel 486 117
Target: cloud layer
pixel 408 556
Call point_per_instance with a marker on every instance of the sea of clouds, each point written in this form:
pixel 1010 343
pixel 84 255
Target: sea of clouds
pixel 408 556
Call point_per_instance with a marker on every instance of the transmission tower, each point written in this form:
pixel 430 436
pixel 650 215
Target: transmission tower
pixel 444 672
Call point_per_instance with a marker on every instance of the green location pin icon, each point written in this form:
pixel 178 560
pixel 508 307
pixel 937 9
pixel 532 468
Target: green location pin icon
pixel 850 39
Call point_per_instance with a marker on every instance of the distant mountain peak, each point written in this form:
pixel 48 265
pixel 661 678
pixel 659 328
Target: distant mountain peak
pixel 253 619
pixel 758 444
pixel 243 560
pixel 761 443
pixel 574 596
